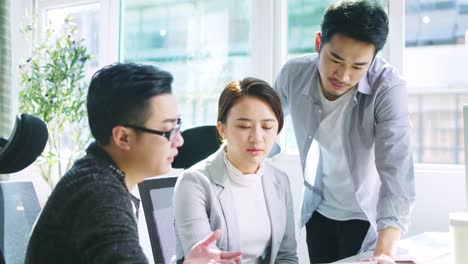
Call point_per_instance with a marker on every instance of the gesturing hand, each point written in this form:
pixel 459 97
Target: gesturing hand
pixel 201 253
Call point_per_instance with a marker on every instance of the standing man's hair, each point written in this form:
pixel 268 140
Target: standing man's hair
pixel 121 93
pixel 363 20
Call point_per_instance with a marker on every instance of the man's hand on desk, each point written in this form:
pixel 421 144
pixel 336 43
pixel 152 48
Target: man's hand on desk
pixel 381 259
pixel 201 253
pixel 386 245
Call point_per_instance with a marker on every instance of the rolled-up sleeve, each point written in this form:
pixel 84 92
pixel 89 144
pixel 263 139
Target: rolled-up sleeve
pixel 393 157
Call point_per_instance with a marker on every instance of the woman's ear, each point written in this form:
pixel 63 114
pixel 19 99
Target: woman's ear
pixel 221 128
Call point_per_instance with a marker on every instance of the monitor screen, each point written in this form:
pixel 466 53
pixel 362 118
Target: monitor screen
pixel 156 197
pixel 163 217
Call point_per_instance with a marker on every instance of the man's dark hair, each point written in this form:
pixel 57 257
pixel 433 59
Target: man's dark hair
pixel 120 93
pixel 363 20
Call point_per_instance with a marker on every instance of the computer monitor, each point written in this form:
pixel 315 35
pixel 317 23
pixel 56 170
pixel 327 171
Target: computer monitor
pixel 156 198
pixel 19 208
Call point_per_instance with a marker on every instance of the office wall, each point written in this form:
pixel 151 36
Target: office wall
pixel 438 192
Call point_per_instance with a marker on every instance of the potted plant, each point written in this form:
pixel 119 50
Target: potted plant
pixel 54 89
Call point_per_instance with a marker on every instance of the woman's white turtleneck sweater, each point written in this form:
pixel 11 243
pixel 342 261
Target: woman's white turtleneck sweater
pixel 252 213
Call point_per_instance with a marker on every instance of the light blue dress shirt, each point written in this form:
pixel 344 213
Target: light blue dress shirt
pixel 376 141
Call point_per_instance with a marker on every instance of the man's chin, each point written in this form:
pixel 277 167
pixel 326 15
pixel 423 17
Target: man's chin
pixel 163 171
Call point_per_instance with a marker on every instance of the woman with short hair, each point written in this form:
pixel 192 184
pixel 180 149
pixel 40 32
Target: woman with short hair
pixel 235 189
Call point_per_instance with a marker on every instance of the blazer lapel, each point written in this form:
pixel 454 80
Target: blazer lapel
pixel 222 185
pixel 275 206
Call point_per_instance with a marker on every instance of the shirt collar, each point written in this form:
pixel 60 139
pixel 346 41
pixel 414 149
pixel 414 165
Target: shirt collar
pixel 101 155
pixel 363 85
pixel 243 179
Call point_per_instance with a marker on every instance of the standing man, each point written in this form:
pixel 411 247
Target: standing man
pixel 351 121
pixel 90 217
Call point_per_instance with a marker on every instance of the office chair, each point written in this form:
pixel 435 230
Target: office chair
pixel 26 143
pixel 156 198
pixel 19 208
pixel 199 143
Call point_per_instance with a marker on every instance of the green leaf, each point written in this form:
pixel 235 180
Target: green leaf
pixel 53 87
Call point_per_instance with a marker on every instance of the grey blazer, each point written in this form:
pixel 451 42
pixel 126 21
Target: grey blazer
pixel 203 202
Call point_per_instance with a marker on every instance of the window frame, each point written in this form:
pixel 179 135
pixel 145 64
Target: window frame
pixel 269 42
pixel 109 35
pixel 394 52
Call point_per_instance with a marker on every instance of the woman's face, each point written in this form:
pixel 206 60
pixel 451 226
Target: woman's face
pixel 250 130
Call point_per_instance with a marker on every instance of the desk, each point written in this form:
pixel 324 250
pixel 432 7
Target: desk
pixel 425 248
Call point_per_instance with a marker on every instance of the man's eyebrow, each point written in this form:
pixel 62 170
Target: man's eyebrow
pixel 170 120
pixel 336 55
pixel 340 58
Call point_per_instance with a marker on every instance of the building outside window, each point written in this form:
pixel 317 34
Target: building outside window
pixel 205 44
pixel 86 18
pixel 435 63
pixel 304 18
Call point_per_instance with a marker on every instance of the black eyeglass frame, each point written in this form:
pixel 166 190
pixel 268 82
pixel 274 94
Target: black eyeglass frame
pixel 169 135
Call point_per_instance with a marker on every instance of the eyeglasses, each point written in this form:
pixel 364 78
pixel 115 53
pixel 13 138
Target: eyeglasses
pixel 169 135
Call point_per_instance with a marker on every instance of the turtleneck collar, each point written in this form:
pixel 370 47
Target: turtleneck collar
pixel 238 177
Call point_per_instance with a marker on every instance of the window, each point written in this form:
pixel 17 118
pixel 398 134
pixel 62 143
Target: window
pixel 435 64
pixel 304 18
pixel 83 19
pixel 86 18
pixel 434 61
pixel 205 44
pixel 97 22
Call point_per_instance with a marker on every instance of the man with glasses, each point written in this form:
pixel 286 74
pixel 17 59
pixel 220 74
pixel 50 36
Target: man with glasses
pixel 90 217
pixel 170 135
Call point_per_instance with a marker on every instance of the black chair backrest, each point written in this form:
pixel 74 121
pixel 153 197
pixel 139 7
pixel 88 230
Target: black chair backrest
pixel 199 143
pixel 156 198
pixel 26 143
pixel 19 208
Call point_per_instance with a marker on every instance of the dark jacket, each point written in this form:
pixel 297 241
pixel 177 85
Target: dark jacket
pixel 89 217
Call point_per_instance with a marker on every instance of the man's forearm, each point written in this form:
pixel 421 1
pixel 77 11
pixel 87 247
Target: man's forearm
pixel 387 242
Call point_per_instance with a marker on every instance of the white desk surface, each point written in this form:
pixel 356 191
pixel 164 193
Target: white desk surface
pixel 425 248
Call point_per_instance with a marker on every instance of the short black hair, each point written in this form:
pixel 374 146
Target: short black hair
pixel 120 93
pixel 363 20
